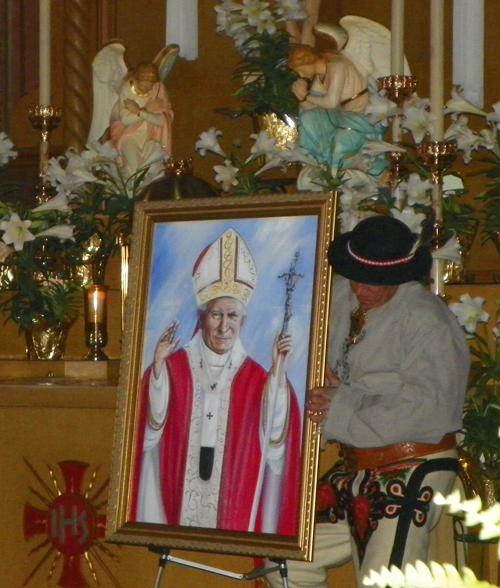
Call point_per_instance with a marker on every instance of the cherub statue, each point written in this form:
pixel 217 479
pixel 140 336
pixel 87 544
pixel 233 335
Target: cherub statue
pixel 333 90
pixel 132 103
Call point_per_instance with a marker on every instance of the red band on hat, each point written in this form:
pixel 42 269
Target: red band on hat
pixel 374 263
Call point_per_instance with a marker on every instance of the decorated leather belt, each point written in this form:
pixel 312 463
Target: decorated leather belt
pixel 354 459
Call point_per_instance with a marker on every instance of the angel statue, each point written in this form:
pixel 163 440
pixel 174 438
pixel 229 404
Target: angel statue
pixel 133 105
pixel 333 90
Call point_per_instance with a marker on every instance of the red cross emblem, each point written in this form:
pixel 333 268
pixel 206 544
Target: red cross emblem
pixel 70 526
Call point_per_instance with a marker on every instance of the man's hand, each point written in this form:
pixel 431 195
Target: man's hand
pixel 319 399
pixel 165 347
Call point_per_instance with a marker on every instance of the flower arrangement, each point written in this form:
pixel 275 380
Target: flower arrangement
pixel 100 197
pixel 6 153
pixel 40 247
pixel 245 176
pixel 480 148
pixel 257 28
pixel 481 420
pixel 421 575
pixel 33 283
pixel 435 575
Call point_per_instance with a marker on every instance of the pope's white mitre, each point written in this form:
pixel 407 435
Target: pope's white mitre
pixel 225 268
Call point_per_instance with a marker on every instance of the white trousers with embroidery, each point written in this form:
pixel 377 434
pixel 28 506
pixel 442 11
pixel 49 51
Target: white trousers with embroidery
pixel 392 542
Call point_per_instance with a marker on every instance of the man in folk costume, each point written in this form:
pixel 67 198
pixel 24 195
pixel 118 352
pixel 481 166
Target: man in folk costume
pixel 220 438
pixel 397 371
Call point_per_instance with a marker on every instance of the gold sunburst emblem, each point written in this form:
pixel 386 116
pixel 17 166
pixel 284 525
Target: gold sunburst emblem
pixel 70 526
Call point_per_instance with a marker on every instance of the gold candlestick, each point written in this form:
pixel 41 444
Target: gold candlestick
pixel 96 330
pixel 44 119
pixel 398 89
pixel 437 157
pixel 123 241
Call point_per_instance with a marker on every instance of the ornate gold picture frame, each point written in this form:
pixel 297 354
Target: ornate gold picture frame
pixel 226 328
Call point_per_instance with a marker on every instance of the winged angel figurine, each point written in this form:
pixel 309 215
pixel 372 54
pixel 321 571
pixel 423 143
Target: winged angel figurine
pixel 334 90
pixel 133 104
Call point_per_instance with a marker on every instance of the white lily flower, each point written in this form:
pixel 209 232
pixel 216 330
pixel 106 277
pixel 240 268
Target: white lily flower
pixel 56 174
pixel 256 11
pixel 418 121
pixel 59 202
pixel 376 148
pixel 453 500
pixel 360 180
pixel 271 163
pixel 469 312
pixel 380 109
pixel 240 37
pixel 350 218
pixel 467 140
pixel 459 104
pixel 418 102
pixel 75 160
pixel 493 118
pixel 267 24
pixel 488 139
pixel 158 157
pixel 417 190
pixel 208 142
pixel 413 220
pixel 16 231
pixel 264 145
pixel 294 154
pixel 97 153
pixel 471 506
pixel 226 175
pixel 291 10
pixel 224 15
pixel 6 151
pixel 351 197
pixel 450 251
pixel 422 576
pixel 82 175
pixel 381 579
pixel 62 232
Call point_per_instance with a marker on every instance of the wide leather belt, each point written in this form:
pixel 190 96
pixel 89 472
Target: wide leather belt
pixel 354 459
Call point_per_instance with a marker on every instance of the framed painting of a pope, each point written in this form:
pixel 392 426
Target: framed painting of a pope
pixel 226 326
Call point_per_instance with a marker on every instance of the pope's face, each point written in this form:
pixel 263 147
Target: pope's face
pixel 221 323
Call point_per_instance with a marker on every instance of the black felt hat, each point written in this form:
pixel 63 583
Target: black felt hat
pixel 380 250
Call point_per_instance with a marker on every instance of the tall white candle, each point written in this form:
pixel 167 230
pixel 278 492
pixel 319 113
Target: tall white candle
pixel 397 54
pixel 437 68
pixel 44 52
pixel 397 37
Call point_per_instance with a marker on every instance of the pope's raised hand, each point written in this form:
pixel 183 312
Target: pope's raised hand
pixel 165 346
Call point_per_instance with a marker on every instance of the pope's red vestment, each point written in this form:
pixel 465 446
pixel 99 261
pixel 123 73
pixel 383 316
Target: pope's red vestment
pixel 242 450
